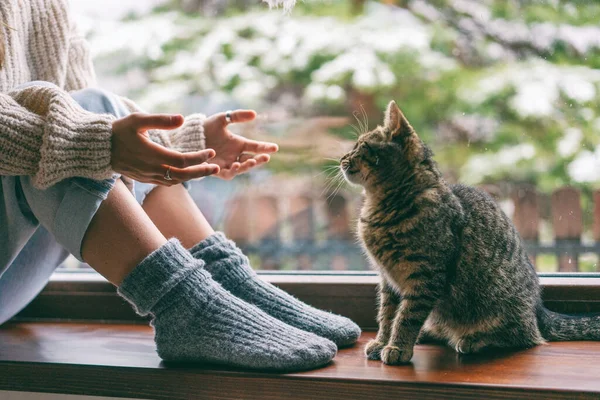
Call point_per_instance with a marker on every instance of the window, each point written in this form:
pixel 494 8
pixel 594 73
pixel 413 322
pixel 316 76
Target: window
pixel 506 93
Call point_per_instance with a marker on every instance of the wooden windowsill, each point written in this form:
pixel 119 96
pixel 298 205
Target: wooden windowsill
pixel 119 360
pixel 87 297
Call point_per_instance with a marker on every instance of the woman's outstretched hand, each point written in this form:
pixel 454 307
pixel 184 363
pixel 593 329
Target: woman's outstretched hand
pixel 136 156
pixel 235 154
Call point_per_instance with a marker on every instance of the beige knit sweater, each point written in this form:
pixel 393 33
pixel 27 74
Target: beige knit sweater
pixel 43 131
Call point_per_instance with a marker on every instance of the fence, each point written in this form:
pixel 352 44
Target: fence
pixel 307 231
pixel 566 216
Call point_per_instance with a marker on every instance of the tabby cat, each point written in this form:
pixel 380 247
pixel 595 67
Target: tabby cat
pixel 453 267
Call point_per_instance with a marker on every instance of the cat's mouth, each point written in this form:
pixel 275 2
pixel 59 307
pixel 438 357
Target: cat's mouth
pixel 352 175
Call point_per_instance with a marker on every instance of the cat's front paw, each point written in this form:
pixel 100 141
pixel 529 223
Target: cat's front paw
pixel 469 345
pixel 373 349
pixel 393 355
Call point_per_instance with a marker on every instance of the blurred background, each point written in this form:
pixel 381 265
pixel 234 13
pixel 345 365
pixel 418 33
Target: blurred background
pixel 506 92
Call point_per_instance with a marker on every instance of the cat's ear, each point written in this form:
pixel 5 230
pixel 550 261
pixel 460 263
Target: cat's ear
pixel 395 122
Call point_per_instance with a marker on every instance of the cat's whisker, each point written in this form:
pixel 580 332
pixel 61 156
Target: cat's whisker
pixel 341 181
pixel 356 130
pixel 365 116
pixel 329 172
pixel 331 166
pixel 333 181
pixel 360 123
pixel 335 192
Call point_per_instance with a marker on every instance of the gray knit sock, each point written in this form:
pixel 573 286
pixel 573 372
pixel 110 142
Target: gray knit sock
pixel 228 266
pixel 195 319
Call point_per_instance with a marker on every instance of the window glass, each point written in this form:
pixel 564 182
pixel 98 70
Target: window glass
pixel 505 92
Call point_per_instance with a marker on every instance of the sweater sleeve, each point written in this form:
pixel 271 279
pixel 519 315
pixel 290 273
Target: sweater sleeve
pixel 187 138
pixel 44 133
pixel 80 69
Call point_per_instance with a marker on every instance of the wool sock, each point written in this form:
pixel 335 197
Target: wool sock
pixel 228 266
pixel 196 320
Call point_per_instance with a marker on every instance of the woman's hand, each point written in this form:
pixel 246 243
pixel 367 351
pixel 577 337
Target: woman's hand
pixel 136 156
pixel 235 154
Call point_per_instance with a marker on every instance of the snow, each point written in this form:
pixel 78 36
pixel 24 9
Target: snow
pixel 473 8
pixel 278 44
pixel 538 85
pixel 535 98
pixel 482 165
pixel 581 38
pixel 111 9
pixel 426 10
pixel 108 37
pixel 570 143
pixel 586 167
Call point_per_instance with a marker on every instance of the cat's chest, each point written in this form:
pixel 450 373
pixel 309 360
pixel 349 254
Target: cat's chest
pixel 385 255
pixel 377 243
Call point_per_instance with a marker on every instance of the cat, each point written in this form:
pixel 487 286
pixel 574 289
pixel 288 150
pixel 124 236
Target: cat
pixel 453 267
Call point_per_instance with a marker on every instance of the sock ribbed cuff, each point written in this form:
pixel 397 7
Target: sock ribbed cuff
pixel 156 275
pixel 225 262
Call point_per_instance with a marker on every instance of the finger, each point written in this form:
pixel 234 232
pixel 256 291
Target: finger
pixel 260 158
pixel 198 171
pixel 163 156
pixel 253 146
pixel 247 166
pixel 238 116
pixel 226 174
pixel 143 122
pixel 245 157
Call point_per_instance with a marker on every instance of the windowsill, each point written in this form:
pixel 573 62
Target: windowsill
pixel 89 297
pixel 119 360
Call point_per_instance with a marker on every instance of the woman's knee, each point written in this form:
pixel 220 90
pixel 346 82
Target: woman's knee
pixel 66 208
pixel 100 102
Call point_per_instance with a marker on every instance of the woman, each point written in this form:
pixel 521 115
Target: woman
pixel 70 157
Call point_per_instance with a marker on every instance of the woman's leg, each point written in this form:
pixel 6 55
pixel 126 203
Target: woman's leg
pixel 174 212
pixel 119 223
pixel 183 221
pixel 193 317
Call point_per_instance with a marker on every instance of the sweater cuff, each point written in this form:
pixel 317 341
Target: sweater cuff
pixel 190 136
pixel 76 143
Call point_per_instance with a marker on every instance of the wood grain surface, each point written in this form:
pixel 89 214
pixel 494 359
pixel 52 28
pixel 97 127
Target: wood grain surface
pixel 119 360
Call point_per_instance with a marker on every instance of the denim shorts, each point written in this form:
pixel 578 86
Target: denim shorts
pixel 40 228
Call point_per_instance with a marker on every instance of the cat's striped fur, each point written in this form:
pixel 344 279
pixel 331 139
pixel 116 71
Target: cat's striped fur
pixel 453 267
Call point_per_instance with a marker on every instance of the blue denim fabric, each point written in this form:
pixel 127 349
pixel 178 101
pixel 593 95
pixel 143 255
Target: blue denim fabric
pixel 39 228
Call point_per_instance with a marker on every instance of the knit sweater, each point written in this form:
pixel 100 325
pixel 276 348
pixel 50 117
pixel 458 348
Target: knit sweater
pixel 44 133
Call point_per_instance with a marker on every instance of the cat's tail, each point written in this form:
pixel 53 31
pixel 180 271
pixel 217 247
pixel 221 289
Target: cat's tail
pixel 557 327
